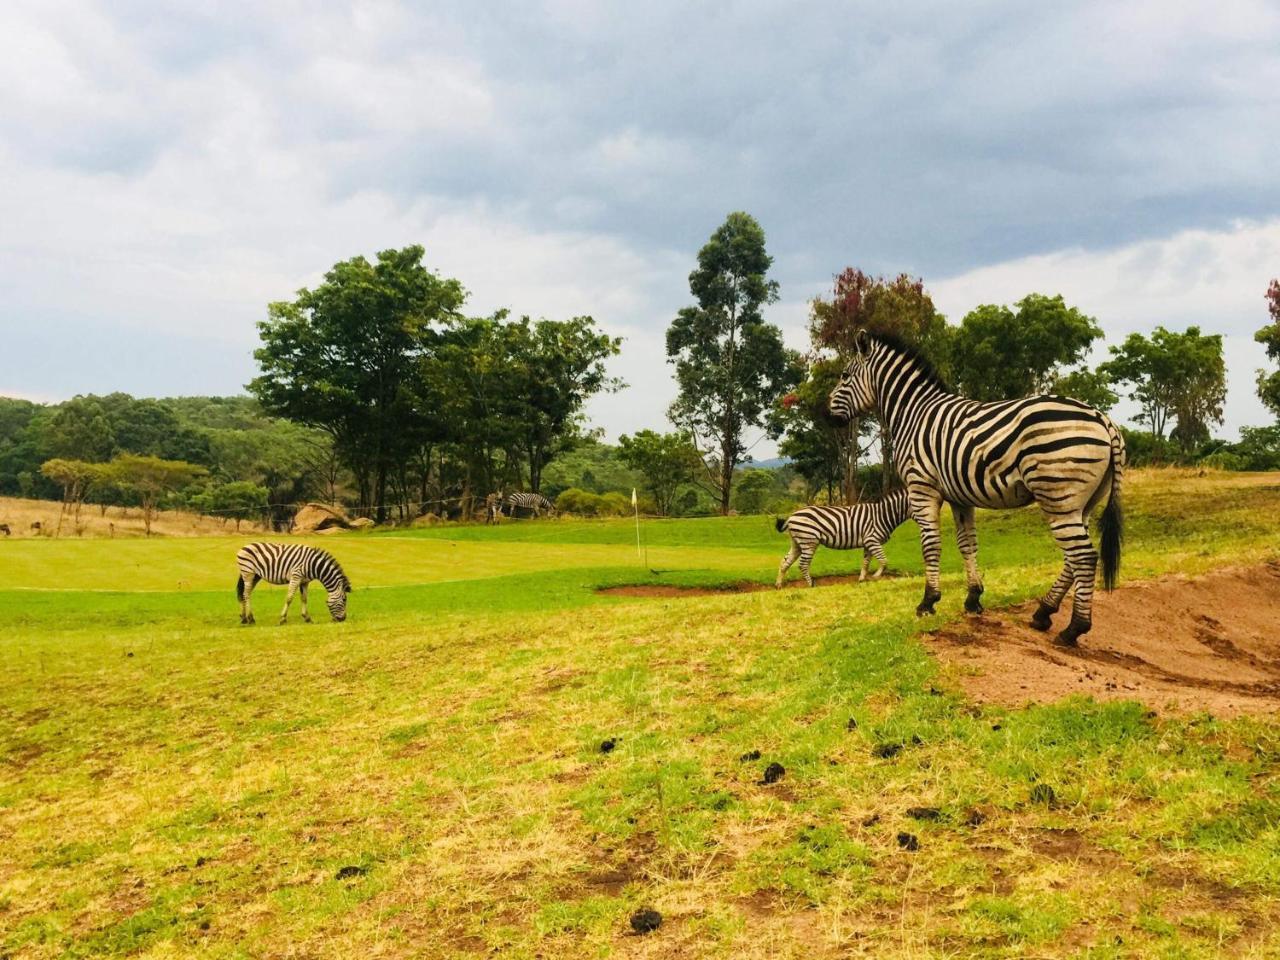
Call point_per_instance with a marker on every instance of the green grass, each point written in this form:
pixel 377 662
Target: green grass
pixel 172 783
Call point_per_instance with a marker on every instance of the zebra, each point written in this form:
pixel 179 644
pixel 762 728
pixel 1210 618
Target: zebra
pixel 529 501
pixel 493 507
pixel 1056 452
pixel 866 525
pixel 296 565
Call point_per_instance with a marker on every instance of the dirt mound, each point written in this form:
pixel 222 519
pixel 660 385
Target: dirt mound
pixel 745 586
pixel 1210 643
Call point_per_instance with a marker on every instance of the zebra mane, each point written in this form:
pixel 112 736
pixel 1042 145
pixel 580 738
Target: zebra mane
pixel 922 364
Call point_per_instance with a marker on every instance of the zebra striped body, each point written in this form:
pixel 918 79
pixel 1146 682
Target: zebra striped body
pixel 1052 451
pixel 534 502
pixel 866 525
pixel 294 564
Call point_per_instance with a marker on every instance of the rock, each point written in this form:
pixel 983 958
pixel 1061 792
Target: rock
pixel 314 517
pixel 362 523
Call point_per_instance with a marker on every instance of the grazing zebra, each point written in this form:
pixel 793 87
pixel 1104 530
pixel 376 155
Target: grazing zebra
pixel 1053 451
pixel 4 528
pixel 866 525
pixel 529 501
pixel 296 565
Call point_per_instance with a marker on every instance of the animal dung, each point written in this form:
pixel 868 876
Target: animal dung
pixel 773 773
pixel 886 750
pixel 975 818
pixel 646 920
pixel 607 746
pixel 924 813
pixel 749 756
pixel 349 871
pixel 908 841
pixel 851 725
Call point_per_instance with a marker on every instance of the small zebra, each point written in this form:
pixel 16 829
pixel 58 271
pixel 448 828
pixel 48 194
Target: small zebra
pixel 866 525
pixel 296 565
pixel 493 507
pixel 1058 453
pixel 535 502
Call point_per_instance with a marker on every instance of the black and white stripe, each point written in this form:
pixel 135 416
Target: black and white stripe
pixel 1058 453
pixel 294 564
pixel 867 525
pixel 534 502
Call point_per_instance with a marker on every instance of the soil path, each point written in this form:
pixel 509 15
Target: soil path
pixel 1211 643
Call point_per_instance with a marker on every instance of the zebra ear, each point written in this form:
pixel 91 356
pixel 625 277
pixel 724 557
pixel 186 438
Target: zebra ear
pixel 861 343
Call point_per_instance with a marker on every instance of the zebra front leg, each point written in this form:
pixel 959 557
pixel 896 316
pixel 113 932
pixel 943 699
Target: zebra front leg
pixel 925 508
pixel 967 541
pixel 302 594
pixel 787 561
pixel 1072 535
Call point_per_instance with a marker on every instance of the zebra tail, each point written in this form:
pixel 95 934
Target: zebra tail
pixel 1112 522
pixel 780 524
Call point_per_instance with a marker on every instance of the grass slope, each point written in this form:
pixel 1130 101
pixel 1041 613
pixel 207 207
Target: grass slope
pixel 427 779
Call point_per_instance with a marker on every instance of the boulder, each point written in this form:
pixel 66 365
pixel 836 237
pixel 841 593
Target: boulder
pixel 315 517
pixel 361 523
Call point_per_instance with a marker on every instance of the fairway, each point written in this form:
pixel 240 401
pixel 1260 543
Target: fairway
pixel 492 757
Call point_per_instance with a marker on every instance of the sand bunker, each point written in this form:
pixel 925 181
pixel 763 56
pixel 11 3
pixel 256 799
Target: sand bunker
pixel 1210 643
pixel 745 586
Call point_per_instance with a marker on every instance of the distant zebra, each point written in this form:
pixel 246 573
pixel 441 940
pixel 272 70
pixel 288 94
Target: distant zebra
pixel 296 565
pixel 866 525
pixel 529 501
pixel 4 528
pixel 1052 451
pixel 493 507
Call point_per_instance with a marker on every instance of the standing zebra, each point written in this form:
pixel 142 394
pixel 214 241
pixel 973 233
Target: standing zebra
pixel 866 525
pixel 1053 451
pixel 296 565
pixel 529 501
pixel 493 507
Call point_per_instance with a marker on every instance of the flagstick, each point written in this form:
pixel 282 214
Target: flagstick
pixel 635 505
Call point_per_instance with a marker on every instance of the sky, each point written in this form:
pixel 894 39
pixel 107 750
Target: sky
pixel 166 170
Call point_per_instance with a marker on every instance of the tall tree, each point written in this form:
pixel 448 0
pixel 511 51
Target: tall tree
pixel 151 478
pixel 859 301
pixel 667 461
pixel 1269 337
pixel 998 353
pixel 346 356
pixel 730 365
pixel 1173 377
pixel 75 477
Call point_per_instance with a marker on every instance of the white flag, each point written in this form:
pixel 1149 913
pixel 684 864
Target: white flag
pixel 634 501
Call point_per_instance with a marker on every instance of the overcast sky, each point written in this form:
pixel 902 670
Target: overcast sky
pixel 168 169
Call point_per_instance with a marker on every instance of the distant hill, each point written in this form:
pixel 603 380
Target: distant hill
pixel 772 464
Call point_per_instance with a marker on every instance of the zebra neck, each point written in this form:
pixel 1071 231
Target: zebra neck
pixel 904 390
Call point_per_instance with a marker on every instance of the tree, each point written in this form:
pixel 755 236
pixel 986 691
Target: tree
pixel 75 477
pixel 1088 386
pixel 1173 376
pixel 1269 337
pixel 151 478
pixel 346 357
pixel 239 500
pixel 730 365
pixel 900 307
pixel 755 489
pixel 1001 354
pixel 667 461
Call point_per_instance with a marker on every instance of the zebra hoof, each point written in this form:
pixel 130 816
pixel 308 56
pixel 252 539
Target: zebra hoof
pixel 925 610
pixel 1069 637
pixel 1042 619
pixel 972 603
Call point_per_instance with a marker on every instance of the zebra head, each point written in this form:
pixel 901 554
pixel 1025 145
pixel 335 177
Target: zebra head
pixel 855 393
pixel 337 601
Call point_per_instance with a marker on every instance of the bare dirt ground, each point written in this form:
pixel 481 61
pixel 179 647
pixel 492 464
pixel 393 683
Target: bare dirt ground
pixel 1186 645
pixel 746 586
pixel 21 515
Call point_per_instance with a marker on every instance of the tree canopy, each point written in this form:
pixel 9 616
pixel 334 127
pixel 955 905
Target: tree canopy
pixel 1269 337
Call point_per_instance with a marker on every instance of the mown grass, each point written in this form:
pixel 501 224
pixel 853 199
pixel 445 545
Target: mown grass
pixel 427 778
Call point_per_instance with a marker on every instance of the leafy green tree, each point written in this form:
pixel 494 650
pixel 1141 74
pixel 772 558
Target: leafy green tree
pixel 730 365
pixel 81 429
pixel 152 478
pixel 667 460
pixel 74 477
pixel 1001 354
pixel 238 500
pixel 347 358
pixel 1179 377
pixel 1269 337
pixel 756 488
pixel 1089 386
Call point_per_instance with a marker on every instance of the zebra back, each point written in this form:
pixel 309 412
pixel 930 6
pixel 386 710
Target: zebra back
pixel 845 528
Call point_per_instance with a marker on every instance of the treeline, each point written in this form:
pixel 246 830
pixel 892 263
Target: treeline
pixel 425 406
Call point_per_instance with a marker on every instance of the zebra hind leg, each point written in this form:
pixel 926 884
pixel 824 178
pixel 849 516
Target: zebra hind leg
pixel 862 574
pixel 882 561
pixel 302 593
pixel 967 541
pixel 806 557
pixel 1042 619
pixel 1073 537
pixel 787 561
pixel 247 583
